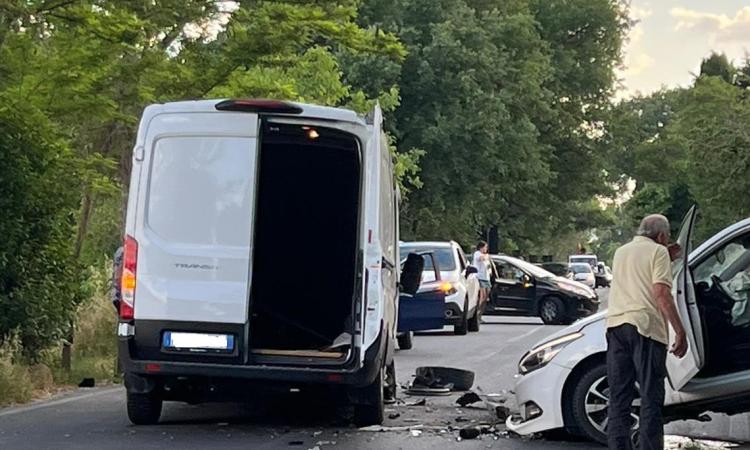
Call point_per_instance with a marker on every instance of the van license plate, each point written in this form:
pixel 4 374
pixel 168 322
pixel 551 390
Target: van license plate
pixel 198 342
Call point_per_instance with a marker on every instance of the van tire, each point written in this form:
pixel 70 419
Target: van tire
pixel 462 327
pixel 405 341
pixel 144 409
pixel 370 409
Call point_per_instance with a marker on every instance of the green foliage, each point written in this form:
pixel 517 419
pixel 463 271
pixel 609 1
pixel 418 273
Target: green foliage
pixel 686 146
pixel 498 95
pixel 713 129
pixel 718 65
pixel 40 282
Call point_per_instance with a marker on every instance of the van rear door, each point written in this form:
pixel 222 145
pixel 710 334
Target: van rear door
pixel 193 222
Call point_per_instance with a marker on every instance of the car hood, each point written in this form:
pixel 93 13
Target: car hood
pixel 576 326
pixel 573 284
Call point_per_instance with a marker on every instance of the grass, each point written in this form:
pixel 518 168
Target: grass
pixel 94 353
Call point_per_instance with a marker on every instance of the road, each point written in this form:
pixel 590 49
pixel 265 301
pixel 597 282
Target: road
pixel 95 418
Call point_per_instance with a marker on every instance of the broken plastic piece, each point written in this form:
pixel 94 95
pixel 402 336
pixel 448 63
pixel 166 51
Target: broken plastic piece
pixel 470 432
pixel 502 412
pixel 468 398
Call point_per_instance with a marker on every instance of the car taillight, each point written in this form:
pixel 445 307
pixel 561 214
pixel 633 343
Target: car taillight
pixel 127 285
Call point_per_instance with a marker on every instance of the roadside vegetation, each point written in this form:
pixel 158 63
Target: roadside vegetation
pixel 500 115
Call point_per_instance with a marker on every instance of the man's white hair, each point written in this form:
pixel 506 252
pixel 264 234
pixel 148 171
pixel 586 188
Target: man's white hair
pixel 653 225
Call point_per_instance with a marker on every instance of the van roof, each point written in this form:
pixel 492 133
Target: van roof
pixel 435 244
pixel 314 111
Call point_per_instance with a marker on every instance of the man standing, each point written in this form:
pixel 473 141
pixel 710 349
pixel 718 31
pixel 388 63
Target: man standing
pixel 640 305
pixel 482 263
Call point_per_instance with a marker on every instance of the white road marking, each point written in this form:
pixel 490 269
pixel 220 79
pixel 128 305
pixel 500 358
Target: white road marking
pixel 46 404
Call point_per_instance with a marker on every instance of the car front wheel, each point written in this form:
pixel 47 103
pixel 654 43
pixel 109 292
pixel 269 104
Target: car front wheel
pixel 589 404
pixel 552 311
pixel 462 327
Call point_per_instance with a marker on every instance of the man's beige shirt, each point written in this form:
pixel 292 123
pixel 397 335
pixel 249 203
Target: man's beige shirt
pixel 637 266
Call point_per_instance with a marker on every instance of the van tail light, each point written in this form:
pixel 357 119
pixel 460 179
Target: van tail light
pixel 127 285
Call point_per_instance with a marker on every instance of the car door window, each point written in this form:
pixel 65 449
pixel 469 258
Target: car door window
pixel 508 273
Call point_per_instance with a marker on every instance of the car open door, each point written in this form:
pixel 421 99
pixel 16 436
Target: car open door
pixel 426 309
pixel 682 370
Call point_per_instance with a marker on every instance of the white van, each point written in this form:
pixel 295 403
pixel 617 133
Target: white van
pixel 216 302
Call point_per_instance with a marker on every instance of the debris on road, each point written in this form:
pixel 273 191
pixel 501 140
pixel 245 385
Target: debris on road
pixel 468 398
pixel 87 383
pixel 415 433
pixel 380 428
pixel 422 402
pixel 502 412
pixel 394 415
pixel 469 433
pixel 433 376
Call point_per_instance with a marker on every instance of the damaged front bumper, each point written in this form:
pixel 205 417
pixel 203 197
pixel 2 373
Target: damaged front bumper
pixel 539 399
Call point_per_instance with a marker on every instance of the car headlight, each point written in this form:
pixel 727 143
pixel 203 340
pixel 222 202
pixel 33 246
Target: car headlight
pixel 540 356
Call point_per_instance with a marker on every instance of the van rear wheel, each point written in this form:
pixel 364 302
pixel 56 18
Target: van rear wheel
pixel 370 408
pixel 144 409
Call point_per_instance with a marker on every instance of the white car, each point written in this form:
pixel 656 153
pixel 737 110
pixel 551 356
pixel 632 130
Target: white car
pixel 562 381
pixel 460 282
pixel 583 273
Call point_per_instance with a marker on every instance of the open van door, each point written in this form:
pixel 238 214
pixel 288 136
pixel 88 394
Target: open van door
pixel 682 370
pixel 426 309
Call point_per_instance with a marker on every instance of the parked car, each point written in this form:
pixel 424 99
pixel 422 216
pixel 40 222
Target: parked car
pixel 524 289
pixel 583 273
pixel 562 380
pixel 460 281
pixel 210 309
pixel 560 269
pixel 425 309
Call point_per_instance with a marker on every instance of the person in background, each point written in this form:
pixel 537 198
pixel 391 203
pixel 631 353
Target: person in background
pixel 640 306
pixel 481 261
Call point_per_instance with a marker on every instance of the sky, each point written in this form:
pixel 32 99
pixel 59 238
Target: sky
pixel 665 48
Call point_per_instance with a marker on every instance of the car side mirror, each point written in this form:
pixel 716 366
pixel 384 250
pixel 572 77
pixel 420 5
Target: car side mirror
pixel 470 270
pixel 411 274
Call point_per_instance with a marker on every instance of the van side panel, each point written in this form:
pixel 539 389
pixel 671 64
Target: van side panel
pixel 194 215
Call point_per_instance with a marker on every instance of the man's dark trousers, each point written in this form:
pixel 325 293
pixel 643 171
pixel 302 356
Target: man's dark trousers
pixel 634 358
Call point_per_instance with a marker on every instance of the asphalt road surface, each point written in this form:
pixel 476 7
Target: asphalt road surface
pixel 95 418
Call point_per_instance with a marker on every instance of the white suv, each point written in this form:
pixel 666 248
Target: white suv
pixel 562 381
pixel 460 282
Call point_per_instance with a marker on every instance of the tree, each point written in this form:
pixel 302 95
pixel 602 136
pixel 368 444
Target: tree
pixel 40 280
pixel 713 128
pixel 717 65
pixel 501 96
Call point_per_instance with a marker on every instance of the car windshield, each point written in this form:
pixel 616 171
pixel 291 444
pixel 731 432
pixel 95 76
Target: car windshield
pixel 529 268
pixel 580 268
pixel 444 256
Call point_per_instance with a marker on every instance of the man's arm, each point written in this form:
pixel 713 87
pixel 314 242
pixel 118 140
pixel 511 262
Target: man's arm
pixel 663 296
